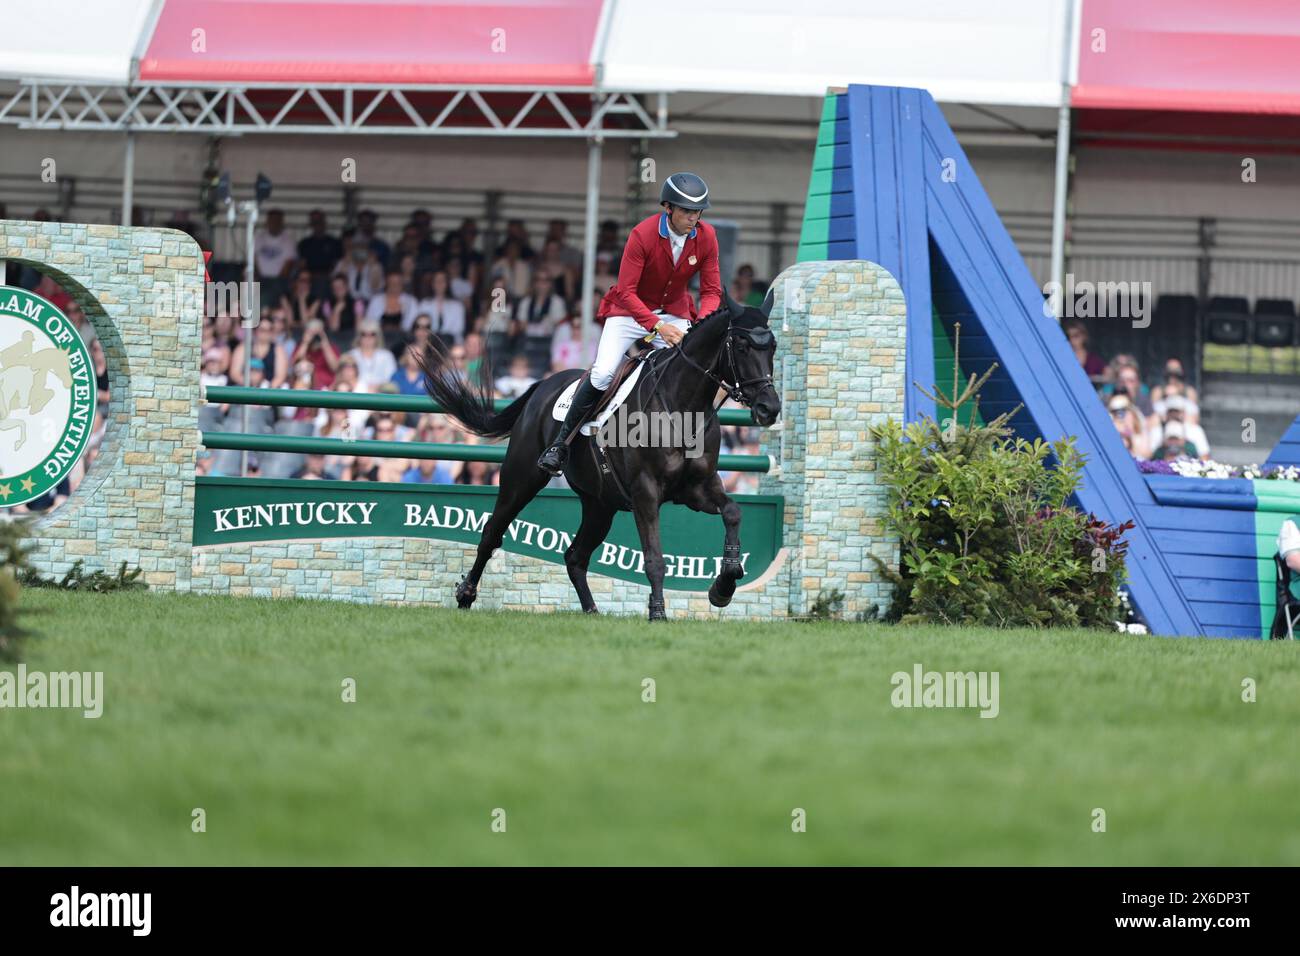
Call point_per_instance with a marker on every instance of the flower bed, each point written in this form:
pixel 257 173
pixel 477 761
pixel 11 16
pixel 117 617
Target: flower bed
pixel 1195 468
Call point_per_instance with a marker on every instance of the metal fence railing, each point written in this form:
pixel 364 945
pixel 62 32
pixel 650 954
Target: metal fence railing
pixel 1240 257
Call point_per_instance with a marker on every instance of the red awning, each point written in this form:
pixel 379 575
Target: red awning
pixel 519 42
pixel 1206 55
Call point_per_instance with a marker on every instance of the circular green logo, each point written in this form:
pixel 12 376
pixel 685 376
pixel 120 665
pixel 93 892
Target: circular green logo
pixel 47 396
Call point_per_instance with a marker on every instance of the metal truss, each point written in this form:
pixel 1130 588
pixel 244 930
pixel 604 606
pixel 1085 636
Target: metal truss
pixel 567 112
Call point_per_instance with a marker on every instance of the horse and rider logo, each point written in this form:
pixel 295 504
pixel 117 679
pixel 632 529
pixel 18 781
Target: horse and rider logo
pixel 47 396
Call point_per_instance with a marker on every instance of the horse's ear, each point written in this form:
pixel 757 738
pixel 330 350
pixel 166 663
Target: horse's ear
pixel 734 307
pixel 768 300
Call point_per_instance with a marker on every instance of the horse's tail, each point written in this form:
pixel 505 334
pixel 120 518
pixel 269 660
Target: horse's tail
pixel 471 405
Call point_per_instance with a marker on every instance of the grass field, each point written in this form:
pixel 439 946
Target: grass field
pixel 235 706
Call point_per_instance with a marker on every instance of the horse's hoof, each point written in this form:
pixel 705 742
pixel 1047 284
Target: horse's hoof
pixel 717 598
pixel 465 595
pixel 657 613
pixel 591 610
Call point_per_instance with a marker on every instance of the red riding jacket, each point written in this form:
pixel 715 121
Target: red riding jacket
pixel 648 280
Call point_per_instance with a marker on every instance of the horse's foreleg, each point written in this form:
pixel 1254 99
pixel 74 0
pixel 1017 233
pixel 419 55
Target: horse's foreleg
pixel 724 585
pixel 40 397
pixel 646 511
pixel 711 498
pixel 596 519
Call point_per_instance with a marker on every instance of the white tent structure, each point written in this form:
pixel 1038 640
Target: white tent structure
pixel 1009 53
pixel 594 69
pixel 66 40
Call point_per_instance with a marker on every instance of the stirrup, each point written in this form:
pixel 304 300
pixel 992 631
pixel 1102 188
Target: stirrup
pixel 560 457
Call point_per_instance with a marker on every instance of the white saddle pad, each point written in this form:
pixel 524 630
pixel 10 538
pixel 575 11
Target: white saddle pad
pixel 561 407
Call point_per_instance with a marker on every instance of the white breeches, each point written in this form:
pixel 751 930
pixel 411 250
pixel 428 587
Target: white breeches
pixel 620 332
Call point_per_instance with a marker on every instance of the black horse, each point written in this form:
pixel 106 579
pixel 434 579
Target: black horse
pixel 731 349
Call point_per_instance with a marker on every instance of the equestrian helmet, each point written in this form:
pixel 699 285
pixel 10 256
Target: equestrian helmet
pixel 686 190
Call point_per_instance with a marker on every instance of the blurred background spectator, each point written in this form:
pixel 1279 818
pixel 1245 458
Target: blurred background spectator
pixel 274 256
pixel 333 319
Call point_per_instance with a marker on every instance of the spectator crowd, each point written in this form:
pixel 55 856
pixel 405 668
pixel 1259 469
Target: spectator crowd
pixel 352 312
pixel 1158 422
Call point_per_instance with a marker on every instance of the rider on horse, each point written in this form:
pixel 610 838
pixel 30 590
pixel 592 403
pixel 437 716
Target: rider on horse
pixel 663 252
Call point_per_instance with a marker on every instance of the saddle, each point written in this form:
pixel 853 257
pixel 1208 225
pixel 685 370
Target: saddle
pixel 636 353
pixel 624 380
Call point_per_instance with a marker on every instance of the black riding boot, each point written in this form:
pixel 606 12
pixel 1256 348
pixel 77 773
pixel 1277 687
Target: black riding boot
pixel 552 460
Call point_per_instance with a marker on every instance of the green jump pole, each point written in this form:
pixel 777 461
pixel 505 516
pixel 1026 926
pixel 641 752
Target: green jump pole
pixel 311 398
pixel 301 445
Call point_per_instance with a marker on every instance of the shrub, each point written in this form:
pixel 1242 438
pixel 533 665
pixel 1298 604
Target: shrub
pixel 13 563
pixel 827 606
pixel 76 579
pixel 986 530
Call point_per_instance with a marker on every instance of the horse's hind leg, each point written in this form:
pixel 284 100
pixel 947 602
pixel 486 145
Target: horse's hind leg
pixel 645 507
pixel 519 485
pixel 596 519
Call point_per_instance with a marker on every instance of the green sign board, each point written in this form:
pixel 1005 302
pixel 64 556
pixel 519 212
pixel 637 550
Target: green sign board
pixel 242 510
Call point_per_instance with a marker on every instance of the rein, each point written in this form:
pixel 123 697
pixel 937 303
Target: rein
pixel 734 392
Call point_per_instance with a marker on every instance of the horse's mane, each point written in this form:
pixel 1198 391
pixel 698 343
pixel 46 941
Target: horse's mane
pixel 718 316
pixel 750 318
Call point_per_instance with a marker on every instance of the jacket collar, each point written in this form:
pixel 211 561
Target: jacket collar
pixel 663 227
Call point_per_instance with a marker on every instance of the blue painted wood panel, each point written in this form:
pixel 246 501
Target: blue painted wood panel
pixel 907 198
pixel 1287 450
pixel 889 211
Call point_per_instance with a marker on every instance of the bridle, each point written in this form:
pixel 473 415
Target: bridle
pixel 759 338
